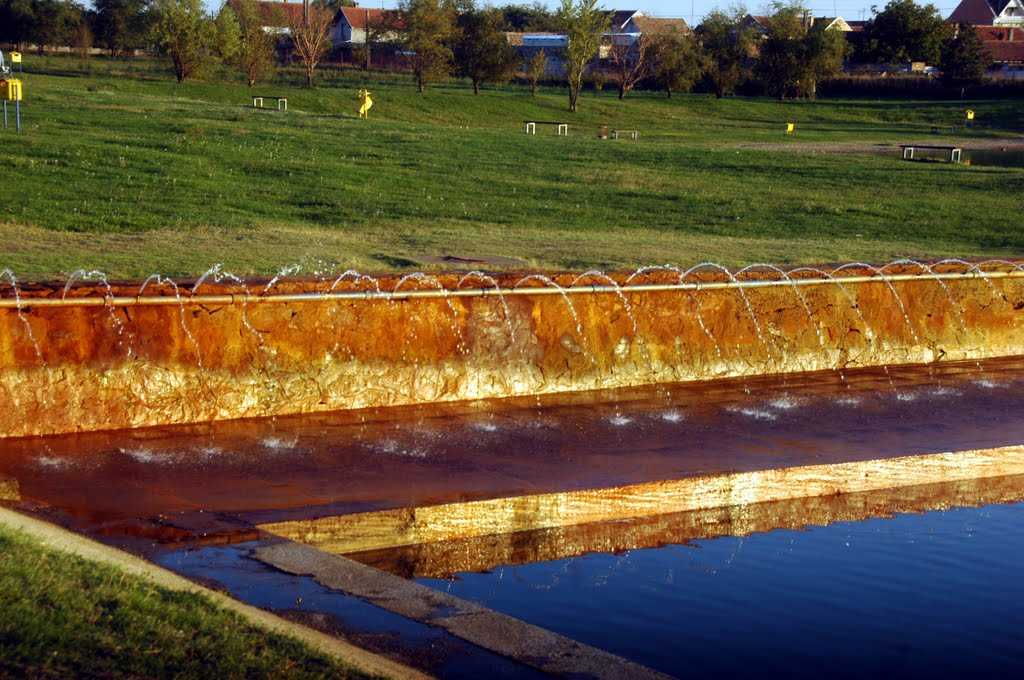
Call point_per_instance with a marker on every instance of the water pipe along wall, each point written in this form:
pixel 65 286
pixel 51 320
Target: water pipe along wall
pixel 86 356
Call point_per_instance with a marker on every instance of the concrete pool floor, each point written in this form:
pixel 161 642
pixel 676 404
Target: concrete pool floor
pixel 159 489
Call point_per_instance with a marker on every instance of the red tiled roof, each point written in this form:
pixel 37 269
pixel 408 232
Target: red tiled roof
pixel 280 13
pixel 998 33
pixel 1006 52
pixel 356 16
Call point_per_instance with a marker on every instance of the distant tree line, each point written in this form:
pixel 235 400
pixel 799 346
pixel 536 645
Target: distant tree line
pixel 786 54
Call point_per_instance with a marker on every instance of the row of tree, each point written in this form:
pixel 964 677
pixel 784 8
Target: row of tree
pixel 787 53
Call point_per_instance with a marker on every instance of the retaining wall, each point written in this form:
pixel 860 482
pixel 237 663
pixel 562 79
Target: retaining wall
pixel 127 364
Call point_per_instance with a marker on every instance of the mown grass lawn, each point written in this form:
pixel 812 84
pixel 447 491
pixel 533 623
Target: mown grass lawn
pixel 66 617
pixel 121 170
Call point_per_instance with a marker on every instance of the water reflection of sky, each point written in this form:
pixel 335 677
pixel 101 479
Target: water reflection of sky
pixel 927 595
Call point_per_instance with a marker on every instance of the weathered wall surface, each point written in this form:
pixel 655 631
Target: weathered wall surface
pixel 65 369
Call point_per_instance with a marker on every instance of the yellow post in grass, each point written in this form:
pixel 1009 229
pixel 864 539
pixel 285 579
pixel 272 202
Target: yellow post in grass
pixel 789 128
pixel 364 103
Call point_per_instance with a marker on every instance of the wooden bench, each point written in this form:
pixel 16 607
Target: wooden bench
pixel 257 102
pixel 955 152
pixel 633 134
pixel 561 128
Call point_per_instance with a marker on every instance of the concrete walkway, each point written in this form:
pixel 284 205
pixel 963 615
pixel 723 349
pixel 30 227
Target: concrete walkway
pixel 61 539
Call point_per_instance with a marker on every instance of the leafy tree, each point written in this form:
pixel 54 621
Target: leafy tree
pixel 795 55
pixel 678 61
pixel 184 32
pixel 964 59
pixel 536 67
pixel 727 44
pixel 122 24
pixel 483 54
pixel 256 54
pixel 584 24
pixel 430 27
pixel 15 21
pixel 311 37
pixel 904 31
pixel 54 22
pixel 535 18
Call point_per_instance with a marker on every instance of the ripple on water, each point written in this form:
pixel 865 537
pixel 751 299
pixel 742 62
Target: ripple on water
pixel 53 462
pixel 390 447
pixel 620 421
pixel 755 413
pixel 671 416
pixel 279 443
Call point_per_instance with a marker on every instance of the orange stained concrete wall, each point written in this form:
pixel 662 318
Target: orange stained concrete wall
pixel 66 369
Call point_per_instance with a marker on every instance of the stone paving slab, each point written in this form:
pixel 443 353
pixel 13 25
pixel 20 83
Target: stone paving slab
pixel 536 647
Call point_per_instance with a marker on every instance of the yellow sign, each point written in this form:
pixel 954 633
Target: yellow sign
pixel 364 103
pixel 970 114
pixel 789 128
pixel 10 90
pixel 15 57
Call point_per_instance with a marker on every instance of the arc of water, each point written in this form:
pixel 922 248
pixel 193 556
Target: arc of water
pixel 102 278
pixel 746 300
pixel 434 281
pixel 681 274
pixel 501 295
pixel 799 294
pixel 21 315
pixel 357 278
pixel 978 268
pixel 615 286
pixel 290 270
pixel 703 326
pixel 219 275
pixel 561 291
pixel 160 281
pixel 853 303
pixel 892 289
pixel 927 269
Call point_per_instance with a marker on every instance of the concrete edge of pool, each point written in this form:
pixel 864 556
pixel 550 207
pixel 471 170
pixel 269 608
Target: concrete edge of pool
pixel 343 534
pixel 82 546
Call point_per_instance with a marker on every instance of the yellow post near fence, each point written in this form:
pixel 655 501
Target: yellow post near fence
pixel 789 128
pixel 364 103
pixel 15 57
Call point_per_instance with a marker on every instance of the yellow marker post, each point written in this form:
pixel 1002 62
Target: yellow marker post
pixel 364 103
pixel 789 128
pixel 15 57
pixel 10 91
pixel 969 122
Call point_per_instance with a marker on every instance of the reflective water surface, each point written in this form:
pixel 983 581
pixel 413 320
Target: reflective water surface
pixel 919 595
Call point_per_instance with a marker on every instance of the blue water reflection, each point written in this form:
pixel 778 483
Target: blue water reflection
pixel 937 594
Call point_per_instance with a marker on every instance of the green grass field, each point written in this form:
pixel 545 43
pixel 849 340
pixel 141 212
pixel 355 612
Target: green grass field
pixel 67 617
pixel 119 169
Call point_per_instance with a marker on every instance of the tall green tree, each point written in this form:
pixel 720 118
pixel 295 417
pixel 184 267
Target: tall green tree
pixel 15 22
pixel 122 24
pixel 428 33
pixel 905 31
pixel 677 59
pixel 727 43
pixel 584 24
pixel 964 59
pixel 54 22
pixel 257 54
pixel 185 33
pixel 482 52
pixel 795 55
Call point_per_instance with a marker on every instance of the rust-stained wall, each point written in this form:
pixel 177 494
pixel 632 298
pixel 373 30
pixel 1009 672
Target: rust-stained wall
pixel 68 369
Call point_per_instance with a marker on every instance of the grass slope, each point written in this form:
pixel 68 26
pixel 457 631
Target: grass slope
pixel 120 170
pixel 64 616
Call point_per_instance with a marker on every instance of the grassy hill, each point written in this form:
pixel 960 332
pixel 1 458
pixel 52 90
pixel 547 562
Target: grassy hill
pixel 119 169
